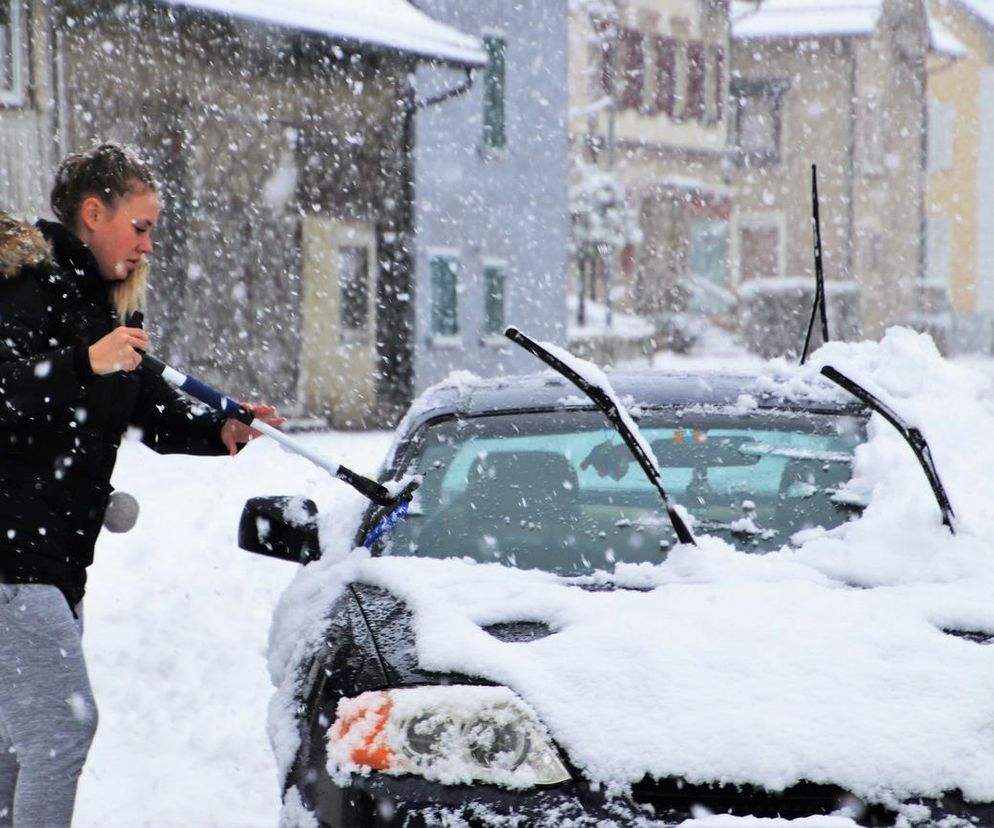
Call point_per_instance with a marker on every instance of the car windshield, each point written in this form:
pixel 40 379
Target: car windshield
pixel 559 491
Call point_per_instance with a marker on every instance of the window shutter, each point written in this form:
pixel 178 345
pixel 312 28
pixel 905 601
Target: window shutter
pixel 665 91
pixel 493 301
pixel 444 311
pixel 494 127
pixel 941 129
pixel 633 90
pixel 696 75
pixel 719 82
pixel 759 252
pixel 605 43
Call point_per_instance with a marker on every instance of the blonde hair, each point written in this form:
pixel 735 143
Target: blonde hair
pixel 128 294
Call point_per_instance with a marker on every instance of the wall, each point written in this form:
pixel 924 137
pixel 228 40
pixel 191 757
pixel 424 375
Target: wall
pixel 488 205
pixel 251 128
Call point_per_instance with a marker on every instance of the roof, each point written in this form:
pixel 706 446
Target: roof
pixel 388 24
pixel 648 388
pixel 983 10
pixel 793 19
pixel 941 41
pixel 804 18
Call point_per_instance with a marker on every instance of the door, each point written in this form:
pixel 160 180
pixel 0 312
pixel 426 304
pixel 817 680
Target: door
pixel 338 347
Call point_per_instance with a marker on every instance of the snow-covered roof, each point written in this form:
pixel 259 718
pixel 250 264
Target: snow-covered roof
pixel 835 18
pixel 391 24
pixel 942 41
pixel 982 9
pixel 804 18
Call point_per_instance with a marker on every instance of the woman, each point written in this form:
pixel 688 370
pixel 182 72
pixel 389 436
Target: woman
pixel 70 385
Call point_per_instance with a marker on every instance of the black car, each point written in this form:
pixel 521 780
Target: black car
pixel 528 473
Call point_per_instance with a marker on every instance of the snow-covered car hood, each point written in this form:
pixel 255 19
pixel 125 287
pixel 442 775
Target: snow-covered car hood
pixel 772 675
pixel 839 660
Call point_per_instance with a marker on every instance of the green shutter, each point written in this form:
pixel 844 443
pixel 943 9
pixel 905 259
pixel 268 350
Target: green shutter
pixel 444 318
pixel 494 133
pixel 493 301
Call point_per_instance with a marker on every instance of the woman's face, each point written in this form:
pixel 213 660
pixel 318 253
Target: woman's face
pixel 121 235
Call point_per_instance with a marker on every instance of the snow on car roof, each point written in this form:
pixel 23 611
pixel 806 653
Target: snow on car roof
pixel 834 662
pixel 394 24
pixel 467 394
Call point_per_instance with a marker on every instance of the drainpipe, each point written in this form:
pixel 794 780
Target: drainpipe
pixel 612 111
pixel 395 385
pixel 851 166
pixel 922 79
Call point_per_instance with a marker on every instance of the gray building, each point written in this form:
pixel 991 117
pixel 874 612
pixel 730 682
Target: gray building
pixel 491 216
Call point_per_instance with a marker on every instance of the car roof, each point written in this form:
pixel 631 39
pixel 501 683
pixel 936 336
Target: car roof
pixel 468 396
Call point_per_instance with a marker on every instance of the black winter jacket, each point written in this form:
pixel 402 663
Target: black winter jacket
pixel 61 425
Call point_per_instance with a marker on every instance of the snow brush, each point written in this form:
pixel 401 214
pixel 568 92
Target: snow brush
pixel 208 395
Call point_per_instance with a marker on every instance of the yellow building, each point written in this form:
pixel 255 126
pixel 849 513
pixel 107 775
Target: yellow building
pixel 960 212
pixel 648 103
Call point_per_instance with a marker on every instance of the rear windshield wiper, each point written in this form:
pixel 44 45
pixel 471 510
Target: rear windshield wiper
pixel 606 403
pixel 912 435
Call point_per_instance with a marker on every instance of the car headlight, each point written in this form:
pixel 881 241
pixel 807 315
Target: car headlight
pixel 453 734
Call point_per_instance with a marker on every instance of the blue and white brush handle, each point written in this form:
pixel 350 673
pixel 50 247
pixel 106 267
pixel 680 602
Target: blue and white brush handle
pixel 227 406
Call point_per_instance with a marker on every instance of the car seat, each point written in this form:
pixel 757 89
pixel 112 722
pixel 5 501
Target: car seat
pixel 522 507
pixel 804 499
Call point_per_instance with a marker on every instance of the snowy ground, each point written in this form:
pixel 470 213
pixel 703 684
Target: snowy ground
pixel 176 629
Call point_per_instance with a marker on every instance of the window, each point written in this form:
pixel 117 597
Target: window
pixel 758 120
pixel 353 285
pixel 558 491
pixel 869 249
pixel 759 252
pixel 494 83
pixel 444 308
pixel 665 91
pixel 493 300
pixel 706 263
pixel 696 99
pixel 941 128
pixel 11 48
pixel 633 76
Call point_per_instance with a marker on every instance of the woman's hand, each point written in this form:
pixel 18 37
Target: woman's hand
pixel 234 433
pixel 118 351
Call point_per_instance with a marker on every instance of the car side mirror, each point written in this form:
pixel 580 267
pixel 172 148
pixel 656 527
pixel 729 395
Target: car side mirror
pixel 280 527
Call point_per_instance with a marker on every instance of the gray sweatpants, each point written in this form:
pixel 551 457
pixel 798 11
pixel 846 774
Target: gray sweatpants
pixel 47 713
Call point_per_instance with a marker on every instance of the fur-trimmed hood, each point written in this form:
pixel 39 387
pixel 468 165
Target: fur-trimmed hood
pixel 21 244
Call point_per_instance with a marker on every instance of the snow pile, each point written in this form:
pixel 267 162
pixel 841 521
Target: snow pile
pixel 623 325
pixel 831 663
pixel 176 620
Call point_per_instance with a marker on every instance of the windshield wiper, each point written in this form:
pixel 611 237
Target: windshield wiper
pixel 609 407
pixel 912 435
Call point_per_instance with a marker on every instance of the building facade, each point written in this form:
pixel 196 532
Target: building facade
pixel 489 192
pixel 648 102
pixel 959 256
pixel 842 87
